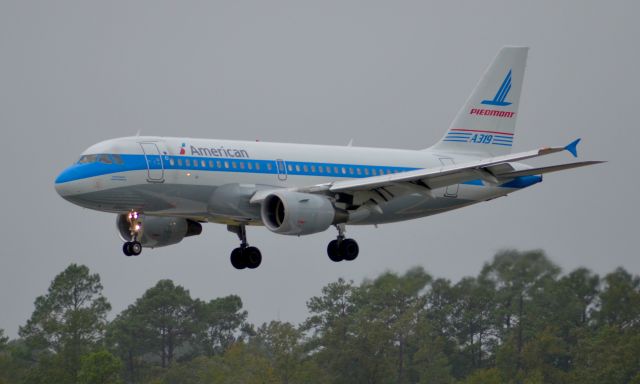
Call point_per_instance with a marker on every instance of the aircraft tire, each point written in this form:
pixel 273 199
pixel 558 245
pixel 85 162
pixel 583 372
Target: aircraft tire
pixel 237 259
pixel 126 249
pixel 252 257
pixel 349 249
pixel 136 248
pixel 333 251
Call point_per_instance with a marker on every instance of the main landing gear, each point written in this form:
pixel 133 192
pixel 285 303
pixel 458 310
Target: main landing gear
pixel 244 256
pixel 342 248
pixel 133 247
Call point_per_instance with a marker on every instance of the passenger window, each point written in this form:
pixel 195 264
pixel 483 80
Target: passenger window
pixel 269 166
pixel 172 162
pixel 203 163
pixel 258 166
pixel 117 159
pixel 187 162
pixel 219 164
pixel 351 170
pixel 226 164
pixel 249 165
pixel 335 170
pixel 297 167
pixel 210 163
pixel 320 169
pixel 358 171
pixel 195 163
pixel 290 168
pixel 366 171
pixel 179 162
pixel 242 165
pixel 305 168
pixel 374 172
pixel 234 165
pixel 344 170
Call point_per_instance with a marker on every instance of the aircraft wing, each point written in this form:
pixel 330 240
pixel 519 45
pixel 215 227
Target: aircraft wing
pixel 493 170
pixel 549 169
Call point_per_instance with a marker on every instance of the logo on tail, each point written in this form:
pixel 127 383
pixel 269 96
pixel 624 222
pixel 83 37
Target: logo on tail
pixel 502 93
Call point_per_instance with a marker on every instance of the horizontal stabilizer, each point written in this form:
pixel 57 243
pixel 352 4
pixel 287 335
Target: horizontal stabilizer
pixel 541 170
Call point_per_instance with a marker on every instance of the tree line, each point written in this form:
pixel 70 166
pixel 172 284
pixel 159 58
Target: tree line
pixel 520 320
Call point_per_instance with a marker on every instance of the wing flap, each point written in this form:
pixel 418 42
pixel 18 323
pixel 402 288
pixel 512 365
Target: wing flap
pixel 541 170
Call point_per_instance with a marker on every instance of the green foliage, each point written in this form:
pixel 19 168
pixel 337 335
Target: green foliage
pixel 67 322
pixel 620 300
pixel 610 355
pixel 99 367
pixel 220 319
pixel 518 321
pixel 485 376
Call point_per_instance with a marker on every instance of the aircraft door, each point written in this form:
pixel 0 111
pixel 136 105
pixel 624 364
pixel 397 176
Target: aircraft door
pixel 452 190
pixel 155 164
pixel 281 167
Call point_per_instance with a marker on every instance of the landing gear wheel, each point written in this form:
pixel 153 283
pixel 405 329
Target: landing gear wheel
pixel 126 249
pixel 136 248
pixel 333 250
pixel 237 259
pixel 252 257
pixel 132 248
pixel 244 256
pixel 349 249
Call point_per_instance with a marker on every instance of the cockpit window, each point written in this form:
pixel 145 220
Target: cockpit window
pixel 86 159
pixel 101 158
pixel 117 159
pixel 105 159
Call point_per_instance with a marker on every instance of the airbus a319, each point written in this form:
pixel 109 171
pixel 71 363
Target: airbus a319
pixel 163 189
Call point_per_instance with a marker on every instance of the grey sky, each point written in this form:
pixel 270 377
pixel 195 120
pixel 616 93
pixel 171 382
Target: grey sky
pixel 390 73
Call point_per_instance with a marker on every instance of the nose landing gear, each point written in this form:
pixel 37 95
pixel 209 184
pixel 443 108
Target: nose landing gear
pixel 342 248
pixel 133 247
pixel 244 256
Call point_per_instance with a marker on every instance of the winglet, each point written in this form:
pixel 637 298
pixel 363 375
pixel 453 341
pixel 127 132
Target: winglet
pixel 573 147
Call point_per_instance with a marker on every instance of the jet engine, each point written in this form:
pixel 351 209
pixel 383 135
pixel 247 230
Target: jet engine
pixel 294 213
pixel 159 231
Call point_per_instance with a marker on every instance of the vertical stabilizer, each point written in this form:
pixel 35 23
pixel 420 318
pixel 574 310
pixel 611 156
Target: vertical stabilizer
pixel 485 126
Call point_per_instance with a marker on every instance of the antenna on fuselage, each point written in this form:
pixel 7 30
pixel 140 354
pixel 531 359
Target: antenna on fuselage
pixel 138 133
pixel 350 143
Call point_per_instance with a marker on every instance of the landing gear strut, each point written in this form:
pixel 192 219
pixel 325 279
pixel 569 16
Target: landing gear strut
pixel 133 247
pixel 244 256
pixel 342 248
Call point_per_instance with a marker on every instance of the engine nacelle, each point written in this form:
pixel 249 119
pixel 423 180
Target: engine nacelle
pixel 294 213
pixel 159 231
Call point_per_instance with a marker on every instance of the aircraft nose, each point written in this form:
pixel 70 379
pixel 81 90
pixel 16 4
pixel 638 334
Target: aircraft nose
pixel 64 183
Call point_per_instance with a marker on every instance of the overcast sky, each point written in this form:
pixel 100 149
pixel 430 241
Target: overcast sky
pixel 387 74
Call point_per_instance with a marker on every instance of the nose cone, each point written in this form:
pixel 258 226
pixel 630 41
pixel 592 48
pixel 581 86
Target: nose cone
pixel 65 182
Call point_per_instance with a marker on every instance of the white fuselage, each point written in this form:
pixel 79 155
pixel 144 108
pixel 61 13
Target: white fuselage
pixel 182 177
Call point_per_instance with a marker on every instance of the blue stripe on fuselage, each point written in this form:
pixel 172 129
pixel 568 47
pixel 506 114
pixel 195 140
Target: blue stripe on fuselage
pixel 220 164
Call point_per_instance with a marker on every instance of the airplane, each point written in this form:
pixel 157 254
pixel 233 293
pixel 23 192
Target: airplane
pixel 163 188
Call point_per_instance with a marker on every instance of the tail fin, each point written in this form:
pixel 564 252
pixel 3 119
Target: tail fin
pixel 485 126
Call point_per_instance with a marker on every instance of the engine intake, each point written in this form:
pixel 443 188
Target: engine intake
pixel 294 213
pixel 159 231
